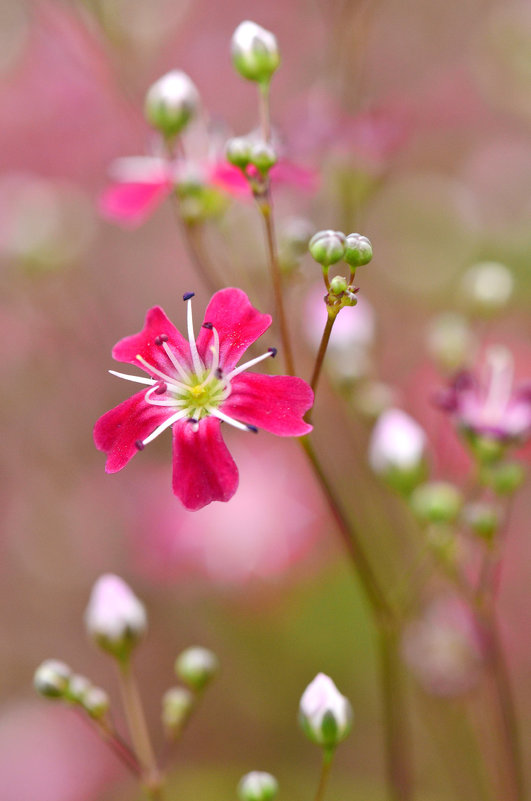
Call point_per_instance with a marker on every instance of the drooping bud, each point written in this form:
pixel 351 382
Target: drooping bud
pixel 177 705
pixel 327 247
pixel 255 52
pixel 324 714
pixel 436 502
pixel 487 287
pixel 396 450
pixel 115 618
pixel 171 102
pixel 358 250
pixel 257 786
pixel 197 667
pixel 51 678
pixel 96 702
pixel 238 151
pixel 263 156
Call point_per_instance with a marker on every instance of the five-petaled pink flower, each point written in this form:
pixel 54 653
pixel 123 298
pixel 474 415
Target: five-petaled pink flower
pixel 490 407
pixel 194 386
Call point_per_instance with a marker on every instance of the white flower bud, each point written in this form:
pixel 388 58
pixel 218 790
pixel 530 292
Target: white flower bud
pixel 171 102
pixel 396 449
pixel 196 667
pixel 257 786
pixel 96 702
pixel 254 52
pixel 177 706
pixel 51 678
pixel 115 618
pixel 488 287
pixel 324 714
pixel 78 687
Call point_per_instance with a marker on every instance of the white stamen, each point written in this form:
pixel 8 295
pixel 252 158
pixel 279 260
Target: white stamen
pixel 226 418
pixel 163 402
pixel 163 426
pixel 198 364
pixel 246 365
pixel 136 378
pixel 500 370
pixel 173 359
pixel 215 358
pixel 172 382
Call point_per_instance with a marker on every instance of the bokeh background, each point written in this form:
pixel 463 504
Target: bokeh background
pixel 417 117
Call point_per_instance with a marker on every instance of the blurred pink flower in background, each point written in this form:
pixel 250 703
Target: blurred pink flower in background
pixel 443 648
pixel 48 754
pixel 270 524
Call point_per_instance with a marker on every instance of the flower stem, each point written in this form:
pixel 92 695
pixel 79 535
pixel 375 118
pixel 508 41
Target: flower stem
pixel 328 756
pixel 320 356
pixel 139 732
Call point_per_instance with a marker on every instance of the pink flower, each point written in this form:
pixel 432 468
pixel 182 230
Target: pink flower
pixel 490 407
pixel 142 183
pixel 193 387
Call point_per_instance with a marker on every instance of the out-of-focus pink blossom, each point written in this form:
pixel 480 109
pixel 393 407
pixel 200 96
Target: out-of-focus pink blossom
pixel 269 525
pixel 397 443
pixel 443 648
pixel 46 753
pixel 490 406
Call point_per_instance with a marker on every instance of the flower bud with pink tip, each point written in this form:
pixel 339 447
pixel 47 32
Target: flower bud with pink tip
pixel 324 714
pixel 115 618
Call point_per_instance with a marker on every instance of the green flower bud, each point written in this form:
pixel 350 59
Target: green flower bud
pixel 115 618
pixel 327 247
pixel 263 156
pixel 78 687
pixel 506 478
pixel 51 678
pixel 196 667
pixel 171 102
pixel 254 52
pixel 358 250
pixel 436 502
pixel 96 702
pixel 483 518
pixel 238 151
pixel 177 706
pixel 338 284
pixel 257 786
pixel 487 287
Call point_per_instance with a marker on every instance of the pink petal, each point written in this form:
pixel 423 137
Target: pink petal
pixel 274 403
pixel 203 469
pixel 237 322
pixel 117 431
pixel 285 172
pixel 143 344
pixel 230 179
pixel 132 203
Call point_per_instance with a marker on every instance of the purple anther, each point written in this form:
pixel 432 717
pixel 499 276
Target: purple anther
pixel 188 295
pixel 210 326
pixel 219 373
pixel 192 420
pixel 252 428
pixel 158 341
pixel 139 445
pixel 272 351
pixel 164 337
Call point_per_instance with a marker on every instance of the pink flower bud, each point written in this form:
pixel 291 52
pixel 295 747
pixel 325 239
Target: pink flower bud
pixel 114 617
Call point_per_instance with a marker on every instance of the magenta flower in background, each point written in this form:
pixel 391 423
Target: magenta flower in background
pixel 194 386
pixel 490 406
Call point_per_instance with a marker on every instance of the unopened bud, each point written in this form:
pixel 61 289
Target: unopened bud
pixel 78 687
pixel 338 284
pixel 171 102
pixel 358 250
pixel 96 702
pixel 238 151
pixel 487 287
pixel 327 247
pixel 263 156
pixel 197 667
pixel 115 618
pixel 257 786
pixel 396 450
pixel 51 678
pixel 254 52
pixel 436 502
pixel 506 478
pixel 324 714
pixel 177 705
pixel 483 518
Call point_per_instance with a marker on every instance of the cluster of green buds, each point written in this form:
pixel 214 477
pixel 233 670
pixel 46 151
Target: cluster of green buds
pixel 196 667
pixel 254 157
pixel 55 680
pixel 329 247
